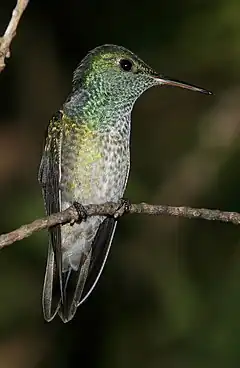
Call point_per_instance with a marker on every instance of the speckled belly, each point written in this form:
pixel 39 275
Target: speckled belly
pixel 94 168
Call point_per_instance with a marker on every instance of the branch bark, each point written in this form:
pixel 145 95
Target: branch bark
pixel 70 215
pixel 6 39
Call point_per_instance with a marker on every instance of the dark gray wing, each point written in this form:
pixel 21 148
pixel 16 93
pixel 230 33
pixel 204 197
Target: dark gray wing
pixel 49 173
pixel 79 284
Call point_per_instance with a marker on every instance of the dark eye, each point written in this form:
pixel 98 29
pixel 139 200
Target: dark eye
pixel 126 65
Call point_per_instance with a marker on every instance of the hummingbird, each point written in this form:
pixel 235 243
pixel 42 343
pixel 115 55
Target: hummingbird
pixel 86 159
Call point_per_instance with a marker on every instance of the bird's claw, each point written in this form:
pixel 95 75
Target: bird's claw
pixel 82 213
pixel 124 207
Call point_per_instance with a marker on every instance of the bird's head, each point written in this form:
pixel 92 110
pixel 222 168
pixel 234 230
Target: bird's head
pixel 115 74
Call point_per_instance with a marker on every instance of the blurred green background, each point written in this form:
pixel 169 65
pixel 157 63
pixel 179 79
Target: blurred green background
pixel 170 294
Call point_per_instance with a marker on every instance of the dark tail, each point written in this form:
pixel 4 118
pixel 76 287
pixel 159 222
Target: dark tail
pixel 78 285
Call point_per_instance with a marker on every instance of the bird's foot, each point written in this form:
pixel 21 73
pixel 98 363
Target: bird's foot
pixel 82 213
pixel 124 207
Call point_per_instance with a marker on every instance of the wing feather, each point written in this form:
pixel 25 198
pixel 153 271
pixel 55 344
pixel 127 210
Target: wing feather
pixel 49 178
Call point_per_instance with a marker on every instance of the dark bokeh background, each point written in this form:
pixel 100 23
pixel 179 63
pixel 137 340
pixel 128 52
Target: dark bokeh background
pixel 170 294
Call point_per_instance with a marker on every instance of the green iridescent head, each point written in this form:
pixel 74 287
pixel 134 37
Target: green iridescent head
pixel 116 76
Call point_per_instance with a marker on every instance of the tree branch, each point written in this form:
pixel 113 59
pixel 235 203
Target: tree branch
pixel 70 215
pixel 6 39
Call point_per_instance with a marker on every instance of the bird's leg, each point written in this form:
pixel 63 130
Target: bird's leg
pixel 82 213
pixel 124 207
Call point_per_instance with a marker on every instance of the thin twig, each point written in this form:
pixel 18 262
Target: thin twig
pixel 6 39
pixel 70 215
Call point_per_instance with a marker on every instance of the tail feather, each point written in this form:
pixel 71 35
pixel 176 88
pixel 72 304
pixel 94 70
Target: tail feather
pixel 100 250
pixel 63 292
pixel 73 285
pixel 78 285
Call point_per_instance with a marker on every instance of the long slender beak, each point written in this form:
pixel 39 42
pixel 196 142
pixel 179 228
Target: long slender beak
pixel 176 83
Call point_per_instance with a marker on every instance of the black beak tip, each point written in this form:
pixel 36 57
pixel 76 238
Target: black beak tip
pixel 207 92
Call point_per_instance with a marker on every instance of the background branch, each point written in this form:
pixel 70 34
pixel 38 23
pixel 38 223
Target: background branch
pixel 70 215
pixel 6 39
